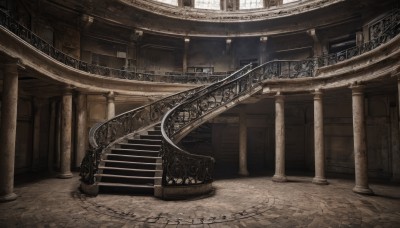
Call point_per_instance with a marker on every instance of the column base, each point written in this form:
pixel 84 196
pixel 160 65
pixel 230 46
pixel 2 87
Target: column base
pixel 279 178
pixel 8 197
pixel 319 181
pixel 363 190
pixel 65 175
pixel 244 173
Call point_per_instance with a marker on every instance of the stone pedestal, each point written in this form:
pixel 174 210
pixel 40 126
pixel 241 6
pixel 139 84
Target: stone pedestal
pixel 66 127
pixel 319 140
pixel 81 131
pixel 243 144
pixel 8 132
pixel 360 149
pixel 279 139
pixel 110 105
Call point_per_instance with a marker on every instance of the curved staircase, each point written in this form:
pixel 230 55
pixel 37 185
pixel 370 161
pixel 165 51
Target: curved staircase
pixel 137 149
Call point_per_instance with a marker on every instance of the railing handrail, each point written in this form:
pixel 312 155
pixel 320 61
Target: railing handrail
pixel 231 78
pixel 7 22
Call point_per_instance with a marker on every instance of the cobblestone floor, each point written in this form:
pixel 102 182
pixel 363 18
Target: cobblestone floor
pixel 238 202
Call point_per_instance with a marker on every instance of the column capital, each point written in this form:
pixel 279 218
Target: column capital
pixel 12 66
pixel 313 34
pixel 357 88
pixel 110 96
pixel 68 89
pixel 279 96
pixel 317 94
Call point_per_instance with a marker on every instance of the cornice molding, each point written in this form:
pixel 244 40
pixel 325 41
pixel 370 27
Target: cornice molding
pixel 186 13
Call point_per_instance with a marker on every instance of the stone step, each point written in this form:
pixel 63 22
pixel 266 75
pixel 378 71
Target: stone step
pixel 124 185
pixel 133 152
pixel 124 179
pixel 156 142
pixel 130 164
pixel 127 177
pixel 128 171
pixel 154 132
pixel 159 137
pixel 139 146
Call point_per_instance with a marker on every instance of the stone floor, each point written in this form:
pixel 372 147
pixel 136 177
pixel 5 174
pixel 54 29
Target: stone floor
pixel 236 202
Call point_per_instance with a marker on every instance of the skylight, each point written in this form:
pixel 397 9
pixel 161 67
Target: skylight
pixel 289 1
pixel 207 4
pixel 171 2
pixel 251 4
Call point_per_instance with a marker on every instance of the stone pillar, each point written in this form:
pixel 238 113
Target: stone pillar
pixel 110 105
pixel 360 148
pixel 81 128
pixel 184 61
pixel 37 104
pixel 8 132
pixel 359 38
pixel 66 136
pixel 263 50
pixel 279 139
pixel 58 136
pixel 243 143
pixel 52 138
pixel 319 139
pixel 317 46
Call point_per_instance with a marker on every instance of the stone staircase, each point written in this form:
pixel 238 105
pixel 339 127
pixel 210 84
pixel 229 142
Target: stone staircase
pixel 132 166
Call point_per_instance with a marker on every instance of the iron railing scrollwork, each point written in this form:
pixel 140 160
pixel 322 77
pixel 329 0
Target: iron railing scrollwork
pixel 183 168
pixel 102 134
pixel 41 45
pixel 380 33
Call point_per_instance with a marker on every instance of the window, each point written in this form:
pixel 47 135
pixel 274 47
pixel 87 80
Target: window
pixel 289 1
pixel 251 4
pixel 208 4
pixel 171 2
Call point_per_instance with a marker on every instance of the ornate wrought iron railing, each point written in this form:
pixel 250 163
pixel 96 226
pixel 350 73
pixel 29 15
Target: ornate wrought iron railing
pixel 102 134
pixel 181 167
pixel 41 45
pixel 380 33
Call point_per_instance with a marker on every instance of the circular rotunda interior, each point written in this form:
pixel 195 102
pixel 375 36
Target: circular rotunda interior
pixel 164 97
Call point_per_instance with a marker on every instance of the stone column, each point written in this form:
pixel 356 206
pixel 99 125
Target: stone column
pixel 58 136
pixel 263 50
pixel 66 128
pixel 360 149
pixel 317 46
pixel 81 128
pixel 319 139
pixel 184 61
pixel 37 104
pixel 8 132
pixel 52 138
pixel 243 143
pixel 279 139
pixel 110 105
